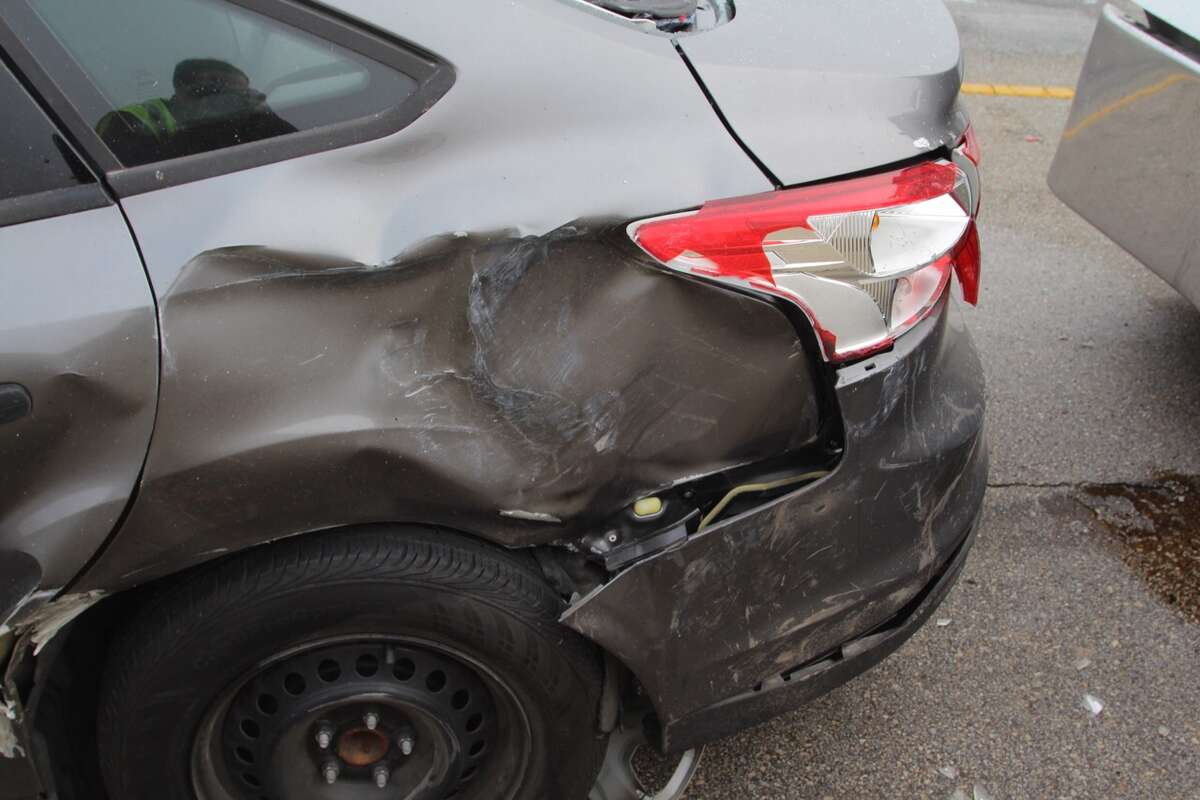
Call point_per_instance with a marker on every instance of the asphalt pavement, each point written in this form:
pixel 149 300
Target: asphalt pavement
pixel 1077 592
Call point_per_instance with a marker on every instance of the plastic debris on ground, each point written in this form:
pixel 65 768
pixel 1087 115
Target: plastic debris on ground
pixel 943 622
pixel 981 793
pixel 1093 704
pixel 948 772
pixel 1083 663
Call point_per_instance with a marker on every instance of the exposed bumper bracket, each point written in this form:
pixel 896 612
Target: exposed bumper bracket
pixel 619 781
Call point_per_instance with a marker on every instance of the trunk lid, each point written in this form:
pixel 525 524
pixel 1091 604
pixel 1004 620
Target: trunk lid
pixel 820 88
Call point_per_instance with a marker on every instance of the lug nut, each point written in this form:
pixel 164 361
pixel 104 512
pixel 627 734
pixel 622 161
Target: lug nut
pixel 331 770
pixel 324 736
pixel 406 743
pixel 381 775
pixel 371 720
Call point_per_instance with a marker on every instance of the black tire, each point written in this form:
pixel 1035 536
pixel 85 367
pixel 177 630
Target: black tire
pixel 198 638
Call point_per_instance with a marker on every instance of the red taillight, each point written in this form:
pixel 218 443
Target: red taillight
pixel 732 234
pixel 966 264
pixel 865 259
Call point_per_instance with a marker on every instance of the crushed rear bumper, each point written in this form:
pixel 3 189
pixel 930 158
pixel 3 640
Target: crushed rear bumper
pixel 761 613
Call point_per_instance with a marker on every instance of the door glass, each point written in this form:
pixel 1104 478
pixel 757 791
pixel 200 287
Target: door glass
pixel 33 158
pixel 180 77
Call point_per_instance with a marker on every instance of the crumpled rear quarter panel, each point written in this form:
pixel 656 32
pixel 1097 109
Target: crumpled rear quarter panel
pixel 555 378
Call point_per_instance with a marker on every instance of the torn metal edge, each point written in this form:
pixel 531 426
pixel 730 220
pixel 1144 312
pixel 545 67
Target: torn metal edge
pixel 49 620
pixel 35 631
pixel 10 746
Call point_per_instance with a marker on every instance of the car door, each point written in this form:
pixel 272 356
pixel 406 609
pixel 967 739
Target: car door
pixel 195 111
pixel 78 355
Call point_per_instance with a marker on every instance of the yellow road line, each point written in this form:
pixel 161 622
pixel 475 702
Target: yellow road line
pixel 1019 90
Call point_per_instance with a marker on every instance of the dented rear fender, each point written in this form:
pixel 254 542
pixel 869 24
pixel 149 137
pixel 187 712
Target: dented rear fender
pixel 520 388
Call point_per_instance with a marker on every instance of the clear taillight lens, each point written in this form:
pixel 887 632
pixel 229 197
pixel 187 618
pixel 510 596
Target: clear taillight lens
pixel 865 258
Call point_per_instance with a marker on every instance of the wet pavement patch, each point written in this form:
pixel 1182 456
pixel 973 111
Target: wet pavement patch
pixel 1157 528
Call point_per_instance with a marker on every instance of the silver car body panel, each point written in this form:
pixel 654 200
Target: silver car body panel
pixel 80 336
pixel 523 140
pixel 829 87
pixel 1127 161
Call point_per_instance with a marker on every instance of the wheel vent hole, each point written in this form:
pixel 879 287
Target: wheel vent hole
pixel 474 723
pixel 404 669
pixel 295 684
pixel 267 704
pixel 244 755
pixel 329 670
pixel 476 749
pixel 251 779
pixel 251 729
pixel 435 681
pixel 460 700
pixel 367 665
pixel 468 773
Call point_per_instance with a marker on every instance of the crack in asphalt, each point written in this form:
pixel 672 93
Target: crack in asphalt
pixel 1080 485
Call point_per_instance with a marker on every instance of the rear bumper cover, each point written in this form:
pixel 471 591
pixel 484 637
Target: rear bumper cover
pixel 771 608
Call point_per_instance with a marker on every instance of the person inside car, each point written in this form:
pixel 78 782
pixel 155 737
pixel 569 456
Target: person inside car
pixel 213 106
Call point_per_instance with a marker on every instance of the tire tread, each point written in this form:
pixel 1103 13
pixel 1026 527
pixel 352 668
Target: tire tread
pixel 508 585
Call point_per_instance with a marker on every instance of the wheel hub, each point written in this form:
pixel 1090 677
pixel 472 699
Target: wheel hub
pixel 361 747
pixel 368 719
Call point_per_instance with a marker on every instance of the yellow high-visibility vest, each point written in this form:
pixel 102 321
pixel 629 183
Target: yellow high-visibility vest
pixel 155 114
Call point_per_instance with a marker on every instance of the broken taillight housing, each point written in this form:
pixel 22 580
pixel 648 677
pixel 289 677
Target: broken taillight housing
pixel 865 259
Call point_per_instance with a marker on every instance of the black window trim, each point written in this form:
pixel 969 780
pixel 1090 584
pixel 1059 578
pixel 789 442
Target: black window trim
pixel 52 203
pixel 22 32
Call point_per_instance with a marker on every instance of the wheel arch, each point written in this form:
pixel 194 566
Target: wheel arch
pixel 64 690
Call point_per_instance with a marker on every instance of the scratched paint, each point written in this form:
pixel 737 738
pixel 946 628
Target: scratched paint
pixel 755 597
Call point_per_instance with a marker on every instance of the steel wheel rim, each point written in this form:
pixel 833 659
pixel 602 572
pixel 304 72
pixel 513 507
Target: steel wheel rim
pixel 215 773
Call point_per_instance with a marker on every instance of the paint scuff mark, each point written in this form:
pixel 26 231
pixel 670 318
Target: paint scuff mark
pixel 532 516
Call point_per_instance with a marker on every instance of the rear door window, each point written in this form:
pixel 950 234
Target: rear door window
pixel 175 78
pixel 33 157
pixel 40 174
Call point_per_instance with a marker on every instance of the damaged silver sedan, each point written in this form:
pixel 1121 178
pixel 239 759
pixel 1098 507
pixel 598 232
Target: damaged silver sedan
pixel 443 400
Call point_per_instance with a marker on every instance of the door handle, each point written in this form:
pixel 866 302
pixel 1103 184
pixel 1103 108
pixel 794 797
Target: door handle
pixel 15 402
